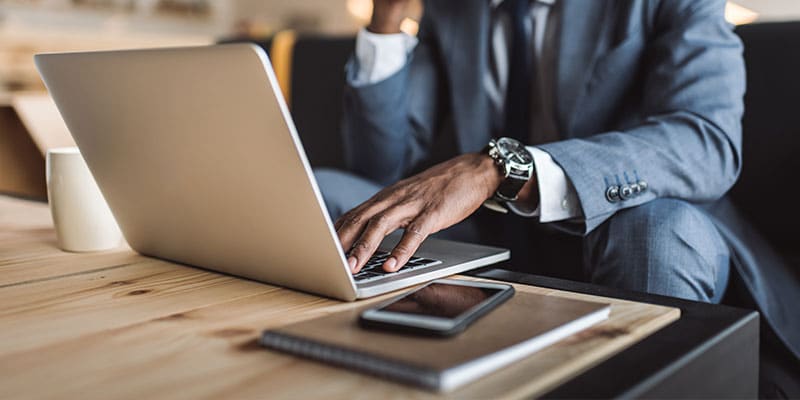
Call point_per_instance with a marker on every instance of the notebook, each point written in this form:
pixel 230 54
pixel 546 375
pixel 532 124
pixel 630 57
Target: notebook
pixel 523 325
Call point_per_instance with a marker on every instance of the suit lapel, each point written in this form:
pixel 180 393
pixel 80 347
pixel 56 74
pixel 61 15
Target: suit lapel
pixel 581 26
pixel 464 42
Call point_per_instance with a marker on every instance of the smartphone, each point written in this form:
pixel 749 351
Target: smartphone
pixel 443 307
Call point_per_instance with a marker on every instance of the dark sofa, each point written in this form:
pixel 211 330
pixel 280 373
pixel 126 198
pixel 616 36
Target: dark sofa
pixel 771 142
pixel 771 134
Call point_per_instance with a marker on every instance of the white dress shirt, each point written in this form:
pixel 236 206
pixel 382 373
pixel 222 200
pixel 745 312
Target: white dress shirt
pixel 379 56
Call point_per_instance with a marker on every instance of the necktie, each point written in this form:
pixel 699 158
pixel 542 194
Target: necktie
pixel 518 88
pixel 517 124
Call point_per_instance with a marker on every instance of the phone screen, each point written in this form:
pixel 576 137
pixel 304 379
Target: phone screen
pixel 441 300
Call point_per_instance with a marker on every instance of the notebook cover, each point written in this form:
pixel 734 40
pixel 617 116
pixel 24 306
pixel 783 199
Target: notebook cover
pixel 423 361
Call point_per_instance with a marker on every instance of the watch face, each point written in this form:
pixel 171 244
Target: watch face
pixel 513 149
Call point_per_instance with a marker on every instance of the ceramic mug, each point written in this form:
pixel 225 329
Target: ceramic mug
pixel 81 217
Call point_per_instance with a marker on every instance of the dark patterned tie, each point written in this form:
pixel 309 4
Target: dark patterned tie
pixel 517 124
pixel 520 73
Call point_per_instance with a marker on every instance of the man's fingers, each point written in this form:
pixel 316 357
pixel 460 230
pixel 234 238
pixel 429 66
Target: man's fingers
pixel 379 226
pixel 350 225
pixel 348 216
pixel 415 233
pixel 376 229
pixel 344 219
pixel 350 228
pixel 355 222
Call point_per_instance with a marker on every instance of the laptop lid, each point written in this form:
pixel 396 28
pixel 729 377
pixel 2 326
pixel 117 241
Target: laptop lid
pixel 196 153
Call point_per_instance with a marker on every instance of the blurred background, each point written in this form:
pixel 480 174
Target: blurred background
pixel 31 26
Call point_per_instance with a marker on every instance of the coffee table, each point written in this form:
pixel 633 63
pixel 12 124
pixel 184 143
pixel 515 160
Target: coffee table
pixel 711 351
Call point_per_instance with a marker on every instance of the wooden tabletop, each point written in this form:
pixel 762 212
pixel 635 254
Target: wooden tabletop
pixel 119 325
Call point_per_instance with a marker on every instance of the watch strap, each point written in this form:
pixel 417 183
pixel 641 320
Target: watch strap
pixel 510 188
pixel 516 176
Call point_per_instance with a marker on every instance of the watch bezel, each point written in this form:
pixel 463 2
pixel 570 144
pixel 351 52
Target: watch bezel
pixel 512 170
pixel 510 148
pixel 505 158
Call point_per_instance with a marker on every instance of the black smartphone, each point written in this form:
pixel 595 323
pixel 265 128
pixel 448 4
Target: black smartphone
pixel 443 307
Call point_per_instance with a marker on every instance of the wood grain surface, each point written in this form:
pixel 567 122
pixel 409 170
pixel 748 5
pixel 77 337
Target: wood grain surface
pixel 119 325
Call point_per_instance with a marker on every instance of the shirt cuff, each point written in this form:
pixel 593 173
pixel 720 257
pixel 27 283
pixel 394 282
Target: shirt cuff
pixel 379 56
pixel 558 199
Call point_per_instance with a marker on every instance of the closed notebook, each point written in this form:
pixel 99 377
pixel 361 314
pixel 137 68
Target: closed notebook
pixel 523 325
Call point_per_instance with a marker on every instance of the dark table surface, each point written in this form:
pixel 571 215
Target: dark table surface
pixel 711 351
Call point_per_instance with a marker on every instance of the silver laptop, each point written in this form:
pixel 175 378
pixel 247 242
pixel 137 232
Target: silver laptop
pixel 197 156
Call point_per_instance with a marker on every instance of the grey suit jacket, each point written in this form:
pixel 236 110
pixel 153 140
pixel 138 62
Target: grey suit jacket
pixel 646 89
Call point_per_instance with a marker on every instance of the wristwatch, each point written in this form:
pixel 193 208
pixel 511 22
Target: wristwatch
pixel 516 165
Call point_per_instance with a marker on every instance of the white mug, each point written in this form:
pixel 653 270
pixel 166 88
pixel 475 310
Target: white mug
pixel 81 216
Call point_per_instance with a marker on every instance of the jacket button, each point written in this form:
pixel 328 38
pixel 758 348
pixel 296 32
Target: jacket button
pixel 636 189
pixel 612 194
pixel 625 192
pixel 642 185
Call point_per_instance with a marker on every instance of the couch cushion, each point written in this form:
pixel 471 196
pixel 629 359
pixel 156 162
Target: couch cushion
pixel 771 147
pixel 317 93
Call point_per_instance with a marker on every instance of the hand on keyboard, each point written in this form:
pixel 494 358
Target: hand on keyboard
pixel 421 205
pixel 372 269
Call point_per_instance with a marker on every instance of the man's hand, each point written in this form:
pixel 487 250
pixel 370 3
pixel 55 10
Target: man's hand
pixel 422 204
pixel 387 16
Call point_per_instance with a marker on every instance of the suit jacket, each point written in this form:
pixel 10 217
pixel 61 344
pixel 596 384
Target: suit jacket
pixel 645 89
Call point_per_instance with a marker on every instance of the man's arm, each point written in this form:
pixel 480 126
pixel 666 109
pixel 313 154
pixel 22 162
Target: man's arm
pixel 379 56
pixel 688 145
pixel 389 124
pixel 423 204
pixel 554 198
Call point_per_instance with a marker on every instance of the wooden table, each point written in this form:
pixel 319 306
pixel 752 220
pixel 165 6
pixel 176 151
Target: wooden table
pixel 119 325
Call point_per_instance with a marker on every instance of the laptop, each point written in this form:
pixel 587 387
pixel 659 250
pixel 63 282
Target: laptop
pixel 196 153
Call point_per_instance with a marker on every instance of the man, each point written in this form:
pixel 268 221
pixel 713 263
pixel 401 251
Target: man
pixel 631 112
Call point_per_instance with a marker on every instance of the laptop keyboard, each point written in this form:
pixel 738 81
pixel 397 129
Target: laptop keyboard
pixel 373 269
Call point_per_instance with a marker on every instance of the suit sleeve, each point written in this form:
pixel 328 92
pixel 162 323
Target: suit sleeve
pixel 688 144
pixel 388 125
